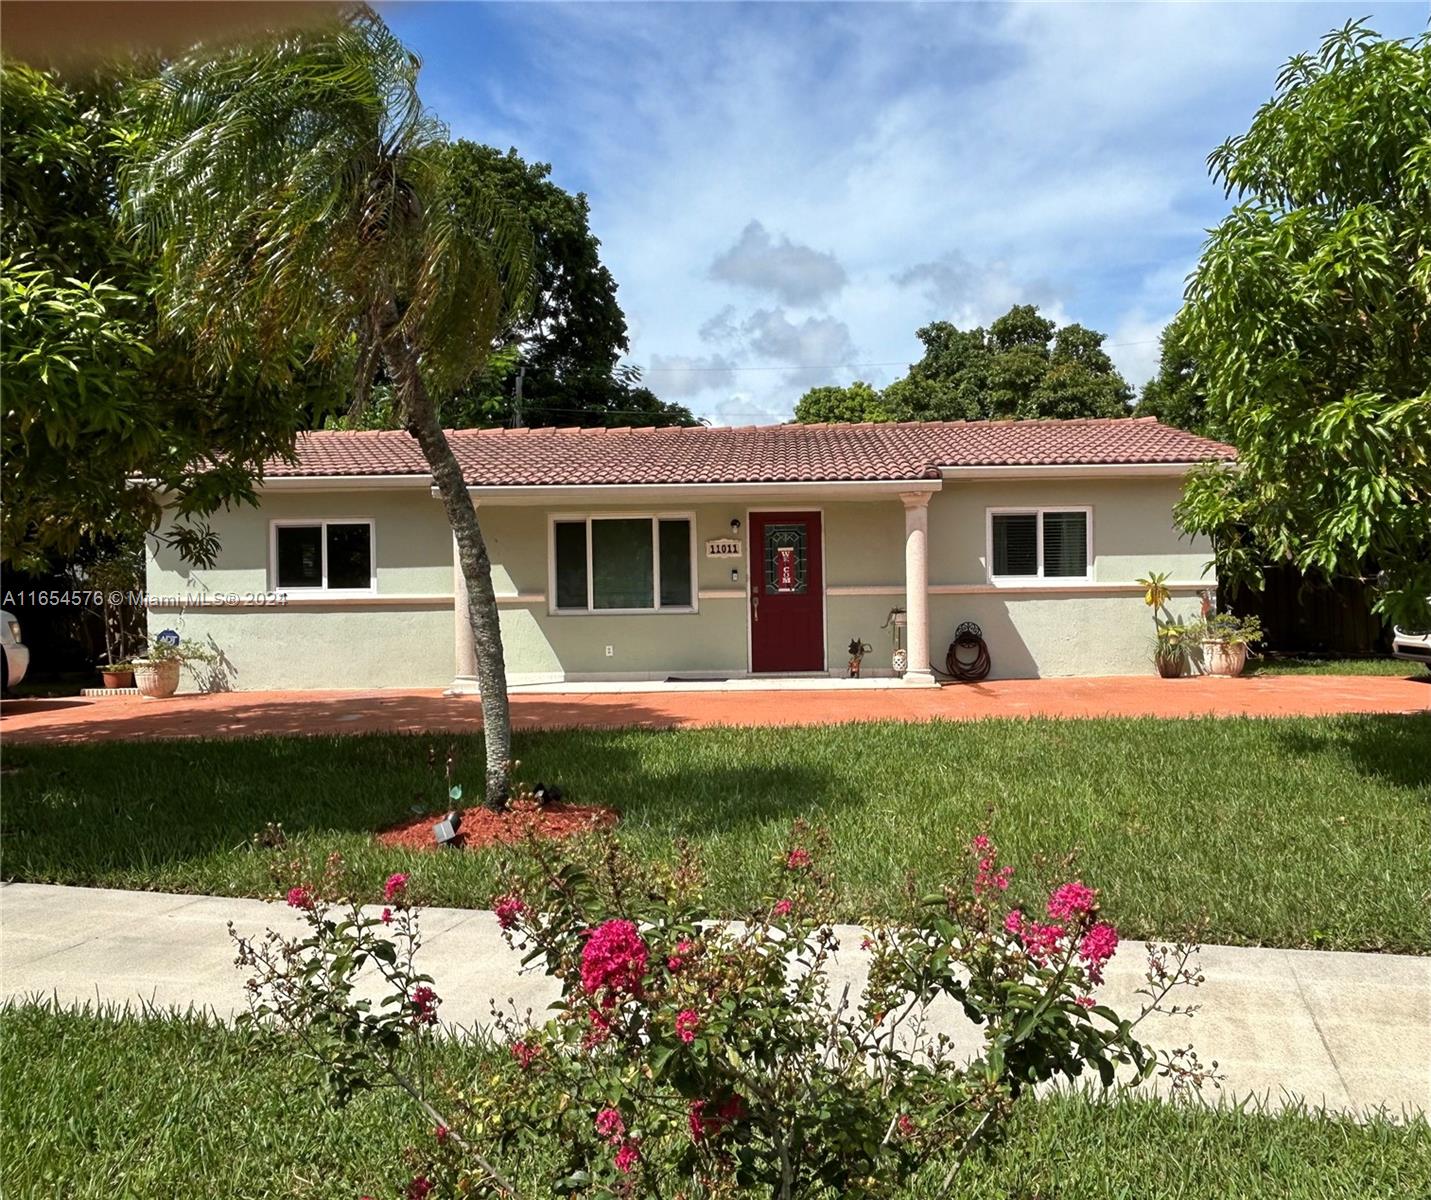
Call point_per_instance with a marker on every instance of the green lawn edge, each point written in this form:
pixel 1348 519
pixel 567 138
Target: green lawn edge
pixel 1297 832
pixel 94 1105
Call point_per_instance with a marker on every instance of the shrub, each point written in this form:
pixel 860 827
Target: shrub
pixel 710 1058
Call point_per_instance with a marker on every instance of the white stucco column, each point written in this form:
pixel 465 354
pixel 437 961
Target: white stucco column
pixel 464 679
pixel 916 587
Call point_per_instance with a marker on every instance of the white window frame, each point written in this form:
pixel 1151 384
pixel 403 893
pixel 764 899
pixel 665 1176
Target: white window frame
pixel 1037 512
pixel 322 523
pixel 591 610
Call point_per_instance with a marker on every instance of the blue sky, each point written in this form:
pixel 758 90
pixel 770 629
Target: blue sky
pixel 786 192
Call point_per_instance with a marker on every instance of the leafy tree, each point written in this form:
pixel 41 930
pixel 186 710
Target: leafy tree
pixel 833 405
pixel 1175 395
pixel 1023 366
pixel 302 197
pixel 92 394
pixel 1309 315
pixel 566 345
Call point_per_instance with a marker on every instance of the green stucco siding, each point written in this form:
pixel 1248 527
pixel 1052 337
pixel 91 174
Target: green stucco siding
pixel 403 634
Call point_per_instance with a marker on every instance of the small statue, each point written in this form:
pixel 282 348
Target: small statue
pixel 858 650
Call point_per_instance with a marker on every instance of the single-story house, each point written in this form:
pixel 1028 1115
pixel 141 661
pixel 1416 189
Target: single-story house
pixel 643 554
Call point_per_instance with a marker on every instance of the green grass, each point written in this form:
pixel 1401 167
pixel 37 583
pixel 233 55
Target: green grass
pixel 1298 832
pixel 93 1107
pixel 1299 665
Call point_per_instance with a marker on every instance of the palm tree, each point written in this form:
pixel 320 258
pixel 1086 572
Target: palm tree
pixel 295 191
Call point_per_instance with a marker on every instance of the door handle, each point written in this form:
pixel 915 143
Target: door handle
pixel 755 606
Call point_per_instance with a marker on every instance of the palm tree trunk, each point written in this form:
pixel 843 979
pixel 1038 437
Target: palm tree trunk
pixel 420 414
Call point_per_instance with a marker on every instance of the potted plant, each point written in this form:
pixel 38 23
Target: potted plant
pixel 118 675
pixel 1170 649
pixel 1171 654
pixel 156 675
pixel 1225 639
pixel 115 581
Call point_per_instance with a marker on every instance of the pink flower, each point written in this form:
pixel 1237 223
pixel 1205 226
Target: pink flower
pixel 798 859
pixel 424 1003
pixel 702 1126
pixel 782 908
pixel 508 909
pixel 677 960
pixel 525 1053
pixel 610 1125
pixel 300 897
pixel 1014 922
pixel 867 942
pixel 440 1133
pixel 387 916
pixel 988 874
pixel 1070 901
pixel 613 960
pixel 687 1021
pixel 395 886
pixel 1085 1002
pixel 418 1189
pixel 628 1156
pixel 1099 944
pixel 1041 941
pixel 905 1124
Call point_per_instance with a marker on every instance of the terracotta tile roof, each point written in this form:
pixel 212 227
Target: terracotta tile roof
pixel 752 454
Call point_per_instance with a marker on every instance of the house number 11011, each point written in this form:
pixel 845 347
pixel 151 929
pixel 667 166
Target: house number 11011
pixel 724 548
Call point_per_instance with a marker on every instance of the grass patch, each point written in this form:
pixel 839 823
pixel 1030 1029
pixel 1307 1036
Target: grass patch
pixel 1296 665
pixel 1297 832
pixel 92 1106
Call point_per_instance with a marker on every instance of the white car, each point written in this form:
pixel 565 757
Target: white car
pixel 14 654
pixel 1405 644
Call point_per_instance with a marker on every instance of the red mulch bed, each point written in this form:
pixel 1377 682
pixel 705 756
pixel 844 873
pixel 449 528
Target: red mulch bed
pixel 482 827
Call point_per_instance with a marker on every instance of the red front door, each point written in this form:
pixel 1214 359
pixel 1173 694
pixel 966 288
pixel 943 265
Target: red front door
pixel 787 592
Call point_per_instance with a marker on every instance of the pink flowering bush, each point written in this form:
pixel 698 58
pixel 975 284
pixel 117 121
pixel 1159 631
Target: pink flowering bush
pixel 690 1055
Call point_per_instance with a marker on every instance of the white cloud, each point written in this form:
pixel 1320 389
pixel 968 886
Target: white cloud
pixel 794 273
pixel 1133 346
pixel 906 164
pixel 679 376
pixel 815 342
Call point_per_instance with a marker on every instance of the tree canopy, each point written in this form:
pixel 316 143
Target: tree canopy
pixel 93 394
pixel 1309 319
pixel 568 343
pixel 301 199
pixel 1023 366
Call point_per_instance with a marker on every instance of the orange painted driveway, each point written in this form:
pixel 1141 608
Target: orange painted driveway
pixel 248 714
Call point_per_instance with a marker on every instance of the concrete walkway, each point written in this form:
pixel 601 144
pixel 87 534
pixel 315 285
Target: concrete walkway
pixel 679 706
pixel 1347 1031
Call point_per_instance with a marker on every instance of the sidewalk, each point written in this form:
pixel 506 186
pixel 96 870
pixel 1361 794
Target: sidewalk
pixel 1348 1031
pixel 681 706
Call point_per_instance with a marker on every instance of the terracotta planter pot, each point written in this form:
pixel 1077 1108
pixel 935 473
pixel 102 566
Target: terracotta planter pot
pixel 117 679
pixel 157 680
pixel 1219 658
pixel 1171 667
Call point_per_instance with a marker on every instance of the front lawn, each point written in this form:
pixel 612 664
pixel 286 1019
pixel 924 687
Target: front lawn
pixel 1305 665
pixel 1297 832
pixel 93 1107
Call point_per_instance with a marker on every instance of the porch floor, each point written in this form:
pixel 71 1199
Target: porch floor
pixel 670 706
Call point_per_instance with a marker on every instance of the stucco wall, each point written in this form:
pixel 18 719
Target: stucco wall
pixel 403 635
pixel 542 645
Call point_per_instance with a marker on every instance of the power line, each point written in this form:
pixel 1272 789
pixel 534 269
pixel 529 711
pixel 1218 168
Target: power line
pixel 902 362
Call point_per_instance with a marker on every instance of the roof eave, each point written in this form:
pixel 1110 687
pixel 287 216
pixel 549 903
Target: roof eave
pixel 1125 470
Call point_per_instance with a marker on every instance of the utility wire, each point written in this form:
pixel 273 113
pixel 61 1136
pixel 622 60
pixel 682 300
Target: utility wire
pixel 903 362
